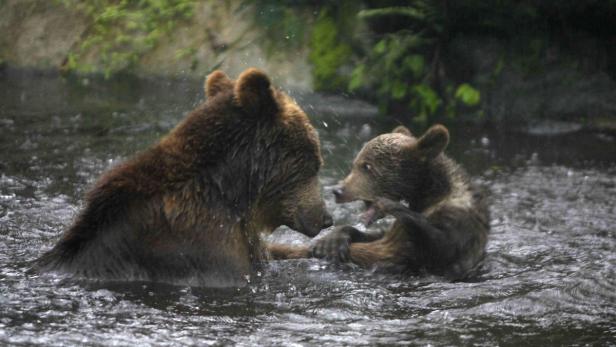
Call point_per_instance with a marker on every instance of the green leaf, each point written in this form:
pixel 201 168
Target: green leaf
pixel 428 99
pixel 415 63
pixel 467 94
pixel 380 47
pixel 357 77
pixel 398 90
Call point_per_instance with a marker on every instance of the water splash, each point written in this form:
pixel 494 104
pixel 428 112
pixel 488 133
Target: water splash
pixel 548 279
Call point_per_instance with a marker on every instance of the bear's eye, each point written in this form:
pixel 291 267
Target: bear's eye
pixel 366 167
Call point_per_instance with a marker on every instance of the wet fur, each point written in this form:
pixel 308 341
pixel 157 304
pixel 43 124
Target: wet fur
pixel 444 229
pixel 447 239
pixel 192 206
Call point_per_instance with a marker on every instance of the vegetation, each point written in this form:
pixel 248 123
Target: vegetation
pixel 284 27
pixel 328 53
pixel 123 30
pixel 403 66
pixel 391 55
pixel 400 56
pixel 392 52
pixel 325 28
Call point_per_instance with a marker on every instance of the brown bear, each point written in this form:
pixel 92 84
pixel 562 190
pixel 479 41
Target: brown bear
pixel 191 207
pixel 445 226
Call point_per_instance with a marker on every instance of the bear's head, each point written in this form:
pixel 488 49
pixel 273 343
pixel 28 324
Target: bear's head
pixel 398 166
pixel 277 153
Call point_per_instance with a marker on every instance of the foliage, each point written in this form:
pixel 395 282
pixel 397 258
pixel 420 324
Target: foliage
pixel 411 12
pixel 324 27
pixel 121 31
pixel 399 64
pixel 284 27
pixel 328 53
pixel 467 94
pixel 394 52
pixel 403 67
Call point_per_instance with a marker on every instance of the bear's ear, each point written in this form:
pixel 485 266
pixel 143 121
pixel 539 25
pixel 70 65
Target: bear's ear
pixel 401 129
pixel 433 141
pixel 254 93
pixel 217 82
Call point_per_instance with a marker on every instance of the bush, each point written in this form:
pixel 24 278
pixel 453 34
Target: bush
pixel 120 32
pixel 403 67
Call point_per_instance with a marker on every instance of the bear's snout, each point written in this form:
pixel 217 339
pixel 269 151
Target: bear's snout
pixel 338 192
pixel 341 195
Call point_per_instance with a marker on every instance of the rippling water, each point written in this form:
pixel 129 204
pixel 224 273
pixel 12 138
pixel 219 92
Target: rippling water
pixel 550 277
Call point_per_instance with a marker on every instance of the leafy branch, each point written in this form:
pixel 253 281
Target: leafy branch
pixel 120 32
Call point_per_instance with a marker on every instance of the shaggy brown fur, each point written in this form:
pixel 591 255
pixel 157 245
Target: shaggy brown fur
pixel 192 206
pixel 443 230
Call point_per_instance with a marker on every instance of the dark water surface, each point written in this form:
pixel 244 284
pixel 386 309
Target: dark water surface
pixel 550 277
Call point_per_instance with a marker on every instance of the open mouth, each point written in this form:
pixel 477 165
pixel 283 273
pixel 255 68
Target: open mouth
pixel 371 214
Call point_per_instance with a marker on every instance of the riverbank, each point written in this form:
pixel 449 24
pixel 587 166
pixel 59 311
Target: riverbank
pixel 564 81
pixel 44 35
pixel 48 92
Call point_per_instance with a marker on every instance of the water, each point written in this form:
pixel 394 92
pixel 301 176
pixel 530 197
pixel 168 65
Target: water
pixel 550 277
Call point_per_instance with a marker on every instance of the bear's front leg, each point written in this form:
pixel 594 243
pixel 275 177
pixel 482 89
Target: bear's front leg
pixel 279 251
pixel 421 232
pixel 336 245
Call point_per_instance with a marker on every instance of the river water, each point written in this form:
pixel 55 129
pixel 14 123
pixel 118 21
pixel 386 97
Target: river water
pixel 549 279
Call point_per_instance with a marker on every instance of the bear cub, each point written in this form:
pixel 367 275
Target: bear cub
pixel 444 228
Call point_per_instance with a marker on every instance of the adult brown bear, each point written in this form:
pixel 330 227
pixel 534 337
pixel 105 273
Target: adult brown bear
pixel 443 230
pixel 192 206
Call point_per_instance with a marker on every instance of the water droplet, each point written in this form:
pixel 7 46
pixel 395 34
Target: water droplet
pixel 485 141
pixel 365 131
